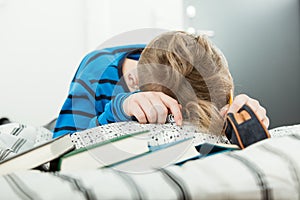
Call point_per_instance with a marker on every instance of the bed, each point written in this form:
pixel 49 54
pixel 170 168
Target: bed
pixel 269 169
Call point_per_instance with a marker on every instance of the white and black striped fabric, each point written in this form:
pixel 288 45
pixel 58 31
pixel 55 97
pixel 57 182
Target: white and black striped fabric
pixel 269 169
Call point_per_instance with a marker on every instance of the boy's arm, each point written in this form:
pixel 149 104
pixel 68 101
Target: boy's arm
pixel 82 106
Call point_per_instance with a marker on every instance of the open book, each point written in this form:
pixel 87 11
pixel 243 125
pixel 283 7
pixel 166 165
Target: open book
pixel 160 134
pixel 38 155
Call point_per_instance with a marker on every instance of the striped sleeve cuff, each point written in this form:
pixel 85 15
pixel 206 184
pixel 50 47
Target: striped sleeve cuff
pixel 117 107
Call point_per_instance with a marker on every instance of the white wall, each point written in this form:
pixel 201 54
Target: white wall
pixel 108 18
pixel 43 41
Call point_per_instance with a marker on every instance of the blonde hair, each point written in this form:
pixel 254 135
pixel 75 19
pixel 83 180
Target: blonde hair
pixel 193 71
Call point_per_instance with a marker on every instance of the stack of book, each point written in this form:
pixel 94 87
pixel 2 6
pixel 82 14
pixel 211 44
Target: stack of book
pixel 125 146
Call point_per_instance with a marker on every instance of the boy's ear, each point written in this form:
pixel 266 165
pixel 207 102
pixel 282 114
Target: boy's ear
pixel 132 81
pixel 129 70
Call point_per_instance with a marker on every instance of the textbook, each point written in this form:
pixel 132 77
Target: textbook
pixel 106 152
pixel 132 154
pixel 175 153
pixel 37 156
pixel 124 149
pixel 158 145
pixel 207 149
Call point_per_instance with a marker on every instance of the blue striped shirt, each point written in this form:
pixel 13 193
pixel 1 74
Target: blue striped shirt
pixel 97 91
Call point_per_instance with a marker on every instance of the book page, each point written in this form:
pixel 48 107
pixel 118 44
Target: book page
pixel 159 133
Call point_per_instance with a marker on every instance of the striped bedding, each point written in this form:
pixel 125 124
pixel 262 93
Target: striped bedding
pixel 269 169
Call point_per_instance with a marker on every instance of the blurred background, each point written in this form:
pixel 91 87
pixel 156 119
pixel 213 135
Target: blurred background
pixel 42 43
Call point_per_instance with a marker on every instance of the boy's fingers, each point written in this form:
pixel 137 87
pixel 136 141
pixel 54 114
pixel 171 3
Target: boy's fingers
pixel 224 110
pixel 266 122
pixel 238 103
pixel 152 107
pixel 140 115
pixel 243 99
pixel 173 106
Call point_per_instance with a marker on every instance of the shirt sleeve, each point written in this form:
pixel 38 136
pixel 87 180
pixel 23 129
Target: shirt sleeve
pixel 90 102
pixel 113 112
pixel 79 107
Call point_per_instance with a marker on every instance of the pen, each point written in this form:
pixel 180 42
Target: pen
pixel 170 118
pixel 231 97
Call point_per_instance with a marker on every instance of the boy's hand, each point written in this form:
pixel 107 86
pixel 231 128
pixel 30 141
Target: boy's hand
pixel 242 99
pixel 152 107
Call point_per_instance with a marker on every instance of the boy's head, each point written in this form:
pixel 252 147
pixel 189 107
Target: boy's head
pixel 190 69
